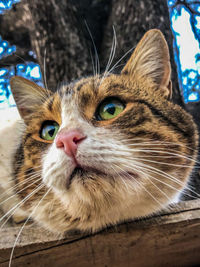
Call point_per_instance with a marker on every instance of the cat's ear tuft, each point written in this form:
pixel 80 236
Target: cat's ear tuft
pixel 151 59
pixel 28 95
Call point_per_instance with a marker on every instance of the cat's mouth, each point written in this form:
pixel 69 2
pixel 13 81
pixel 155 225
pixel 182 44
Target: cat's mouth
pixel 80 171
pixel 77 171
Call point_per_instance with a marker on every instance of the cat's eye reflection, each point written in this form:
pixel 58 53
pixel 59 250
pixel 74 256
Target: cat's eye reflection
pixel 109 109
pixel 49 130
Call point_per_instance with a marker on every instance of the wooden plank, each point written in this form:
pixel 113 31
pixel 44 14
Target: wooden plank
pixel 171 238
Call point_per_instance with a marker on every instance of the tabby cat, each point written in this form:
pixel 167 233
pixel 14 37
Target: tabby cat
pixel 99 151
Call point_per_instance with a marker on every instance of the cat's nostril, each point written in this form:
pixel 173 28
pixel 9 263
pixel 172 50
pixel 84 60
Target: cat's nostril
pixel 69 141
pixel 77 140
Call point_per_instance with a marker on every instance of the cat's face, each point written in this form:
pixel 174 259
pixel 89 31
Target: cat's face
pixel 106 148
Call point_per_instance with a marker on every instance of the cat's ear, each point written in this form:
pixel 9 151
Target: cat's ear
pixel 151 59
pixel 28 95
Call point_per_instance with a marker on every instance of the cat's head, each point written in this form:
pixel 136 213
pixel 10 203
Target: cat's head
pixel 106 148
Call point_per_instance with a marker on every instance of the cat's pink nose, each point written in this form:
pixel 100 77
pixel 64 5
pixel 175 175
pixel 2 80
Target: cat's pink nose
pixel 69 141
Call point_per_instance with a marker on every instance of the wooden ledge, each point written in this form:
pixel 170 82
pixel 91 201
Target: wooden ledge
pixel 171 238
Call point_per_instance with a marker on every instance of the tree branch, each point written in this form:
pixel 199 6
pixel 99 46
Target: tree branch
pixel 187 5
pixel 20 56
pixel 14 25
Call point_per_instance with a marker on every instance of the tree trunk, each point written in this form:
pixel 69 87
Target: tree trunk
pixel 60 46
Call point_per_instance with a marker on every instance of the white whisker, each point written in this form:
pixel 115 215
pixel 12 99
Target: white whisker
pixel 21 202
pixel 11 254
pixel 164 174
pixel 20 191
pixel 112 54
pixel 140 184
pixel 97 63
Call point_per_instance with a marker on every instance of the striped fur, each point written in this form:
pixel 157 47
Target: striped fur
pixel 133 165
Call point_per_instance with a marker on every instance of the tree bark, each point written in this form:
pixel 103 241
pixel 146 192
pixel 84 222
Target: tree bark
pixel 14 25
pixel 55 32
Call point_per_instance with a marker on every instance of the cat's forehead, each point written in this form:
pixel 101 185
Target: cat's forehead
pixel 96 88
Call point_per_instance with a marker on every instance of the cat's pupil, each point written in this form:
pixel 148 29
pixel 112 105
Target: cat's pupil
pixel 111 109
pixel 51 131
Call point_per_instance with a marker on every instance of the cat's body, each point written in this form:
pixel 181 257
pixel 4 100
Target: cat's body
pixel 103 150
pixel 10 138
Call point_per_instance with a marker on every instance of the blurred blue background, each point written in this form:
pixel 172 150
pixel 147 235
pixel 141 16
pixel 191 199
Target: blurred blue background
pixel 185 24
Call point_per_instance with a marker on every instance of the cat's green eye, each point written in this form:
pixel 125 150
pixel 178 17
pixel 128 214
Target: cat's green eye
pixel 49 130
pixel 109 109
